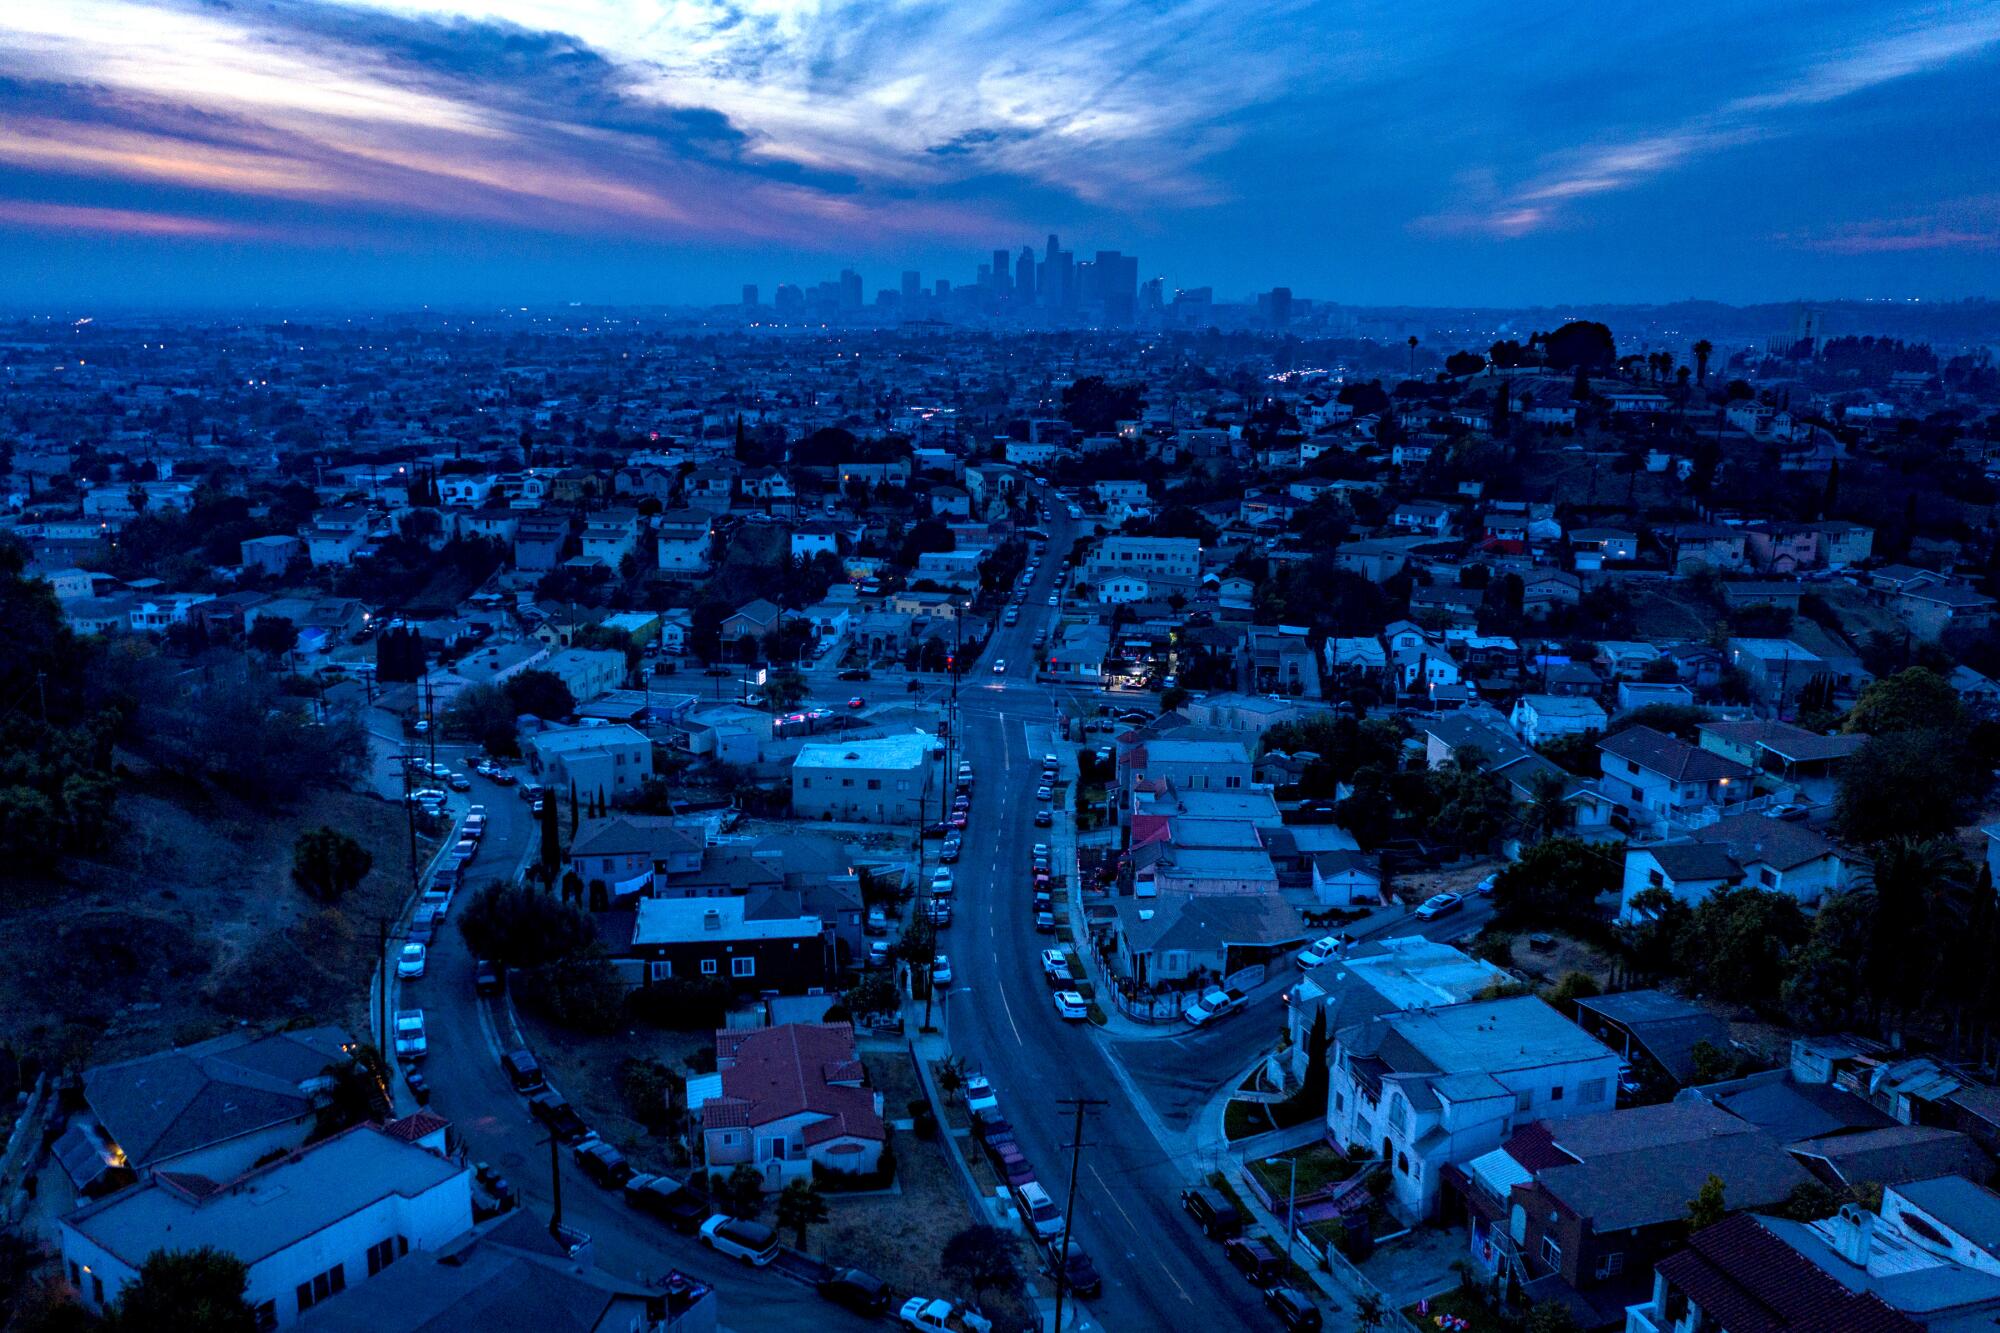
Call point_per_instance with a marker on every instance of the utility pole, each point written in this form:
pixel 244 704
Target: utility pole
pixel 1291 1207
pixel 382 989
pixel 1076 1147
pixel 555 1175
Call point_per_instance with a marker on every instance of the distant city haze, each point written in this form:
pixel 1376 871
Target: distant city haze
pixel 394 153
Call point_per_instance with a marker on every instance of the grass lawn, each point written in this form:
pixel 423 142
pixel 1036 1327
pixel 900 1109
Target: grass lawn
pixel 1466 1305
pixel 1240 1119
pixel 1318 1167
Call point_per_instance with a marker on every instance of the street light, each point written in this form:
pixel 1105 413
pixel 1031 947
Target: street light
pixel 1291 1204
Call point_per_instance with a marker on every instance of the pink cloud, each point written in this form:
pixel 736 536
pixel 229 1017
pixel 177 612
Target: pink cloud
pixel 120 221
pixel 1865 241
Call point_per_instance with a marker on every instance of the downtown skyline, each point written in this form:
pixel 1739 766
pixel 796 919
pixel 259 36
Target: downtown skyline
pixel 398 153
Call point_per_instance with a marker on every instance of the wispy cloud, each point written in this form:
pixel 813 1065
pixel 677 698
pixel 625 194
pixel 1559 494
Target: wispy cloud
pixel 1537 201
pixel 122 221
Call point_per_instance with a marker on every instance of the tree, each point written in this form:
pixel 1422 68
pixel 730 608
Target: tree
pixel 542 693
pixel 1571 987
pixel 1905 783
pixel 515 927
pixel 188 1291
pixel 551 842
pixel 740 1193
pixel 1549 811
pixel 29 832
pixel 1464 363
pixel 1471 805
pixel 1703 349
pixel 1707 1207
pixel 1914 699
pixel 1810 1201
pixel 949 1075
pixel 328 864
pixel 981 1257
pixel 801 1206
pixel 1095 406
pixel 1370 1313
pixel 1738 941
pixel 1582 345
pixel 1557 879
pixel 273 636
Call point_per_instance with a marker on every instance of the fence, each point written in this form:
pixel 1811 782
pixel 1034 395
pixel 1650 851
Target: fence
pixel 1139 1006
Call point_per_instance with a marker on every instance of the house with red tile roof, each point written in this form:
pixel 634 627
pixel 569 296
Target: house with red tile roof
pixel 785 1099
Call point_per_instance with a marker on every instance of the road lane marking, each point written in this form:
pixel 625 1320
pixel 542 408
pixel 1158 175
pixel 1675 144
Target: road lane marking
pixel 1104 1192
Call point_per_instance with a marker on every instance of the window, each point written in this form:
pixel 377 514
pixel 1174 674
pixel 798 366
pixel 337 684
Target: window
pixel 1524 1099
pixel 1612 1264
pixel 743 967
pixel 874 784
pixel 1768 877
pixel 1403 1162
pixel 1552 1253
pixel 96 1290
pixel 1655 880
pixel 660 970
pixel 805 782
pixel 266 1316
pixel 1556 1093
pixel 708 968
pixel 75 1275
pixel 1590 1090
pixel 330 1283
pixel 383 1253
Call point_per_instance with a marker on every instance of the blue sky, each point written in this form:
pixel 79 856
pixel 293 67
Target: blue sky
pixel 405 151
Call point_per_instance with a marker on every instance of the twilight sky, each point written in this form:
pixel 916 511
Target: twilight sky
pixel 392 152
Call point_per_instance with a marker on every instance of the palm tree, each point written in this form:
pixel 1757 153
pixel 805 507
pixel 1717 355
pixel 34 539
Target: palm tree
pixel 1703 349
pixel 1413 356
pixel 1921 888
pixel 949 1074
pixel 1549 811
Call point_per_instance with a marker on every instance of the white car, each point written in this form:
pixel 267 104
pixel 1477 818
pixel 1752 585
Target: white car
pixel 1319 951
pixel 1055 965
pixel 1041 851
pixel 1071 1006
pixel 1438 905
pixel 411 963
pixel 1213 1004
pixel 926 1315
pixel 941 882
pixel 1055 599
pixel 941 970
pixel 1000 667
pixel 411 1043
pixel 752 1242
pixel 979 1093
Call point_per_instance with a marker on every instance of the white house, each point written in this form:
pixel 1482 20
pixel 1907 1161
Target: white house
pixel 683 541
pixel 1754 850
pixel 1431 1087
pixel 787 1099
pixel 1540 718
pixel 882 780
pixel 308 1225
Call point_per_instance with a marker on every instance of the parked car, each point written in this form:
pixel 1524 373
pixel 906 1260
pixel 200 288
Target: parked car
pixel 459 782
pixel 1010 1163
pixel 1079 1274
pixel 1038 1210
pixel 941 970
pixel 1044 817
pixel 987 1122
pixel 752 1242
pixel 1071 1006
pixel 485 977
pixel 863 1293
pixel 1319 951
pixel 1255 1259
pixel 410 963
pixel 928 1315
pixel 948 853
pixel 411 1043
pixel 560 1117
pixel 1439 904
pixel 1484 888
pixel 1045 923
pixel 1213 1004
pixel 1212 1212
pixel 1055 965
pixel 667 1199
pixel 856 673
pixel 1293 1307
pixel 979 1093
pixel 602 1162
pixel 523 1070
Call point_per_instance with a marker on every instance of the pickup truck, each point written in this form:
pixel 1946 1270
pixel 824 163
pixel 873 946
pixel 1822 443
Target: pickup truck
pixel 669 1200
pixel 930 1315
pixel 1213 1004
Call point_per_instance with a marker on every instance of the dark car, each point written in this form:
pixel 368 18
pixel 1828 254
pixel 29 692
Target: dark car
pixel 523 1070
pixel 669 1200
pixel 1080 1275
pixel 1293 1308
pixel 485 978
pixel 1012 1165
pixel 988 1123
pixel 860 1292
pixel 856 673
pixel 602 1163
pixel 559 1116
pixel 1212 1212
pixel 1255 1259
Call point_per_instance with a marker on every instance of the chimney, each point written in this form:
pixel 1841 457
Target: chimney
pixel 711 919
pixel 1854 1234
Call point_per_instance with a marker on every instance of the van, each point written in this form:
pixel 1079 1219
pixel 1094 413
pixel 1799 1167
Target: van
pixel 524 1071
pixel 1212 1212
pixel 1039 1210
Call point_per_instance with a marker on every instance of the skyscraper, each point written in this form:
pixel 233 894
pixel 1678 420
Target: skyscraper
pixel 1002 267
pixel 1117 285
pixel 1024 275
pixel 850 289
pixel 788 299
pixel 913 286
pixel 750 293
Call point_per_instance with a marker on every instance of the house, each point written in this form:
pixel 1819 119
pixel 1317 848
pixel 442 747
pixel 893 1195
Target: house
pixel 1190 765
pixel 1482 733
pixel 1281 662
pixel 1688 872
pixel 510 1276
pixel 594 760
pixel 1696 546
pixel 1382 976
pixel 724 938
pixel 1654 1027
pixel 1931 609
pixel 753 620
pixel 630 853
pixel 1594 548
pixel 1776 855
pixel 1172 937
pixel 1804 759
pixel 1661 777
pixel 1347 879
pixel 1751 1274
pixel 307 1225
pixel 1424 516
pixel 1579 1210
pixel 588 672
pixel 539 540
pixel 683 540
pixel 212 1109
pixel 269 555
pixel 1436 1087
pixel 785 1100
pixel 882 780
pixel 1540 718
